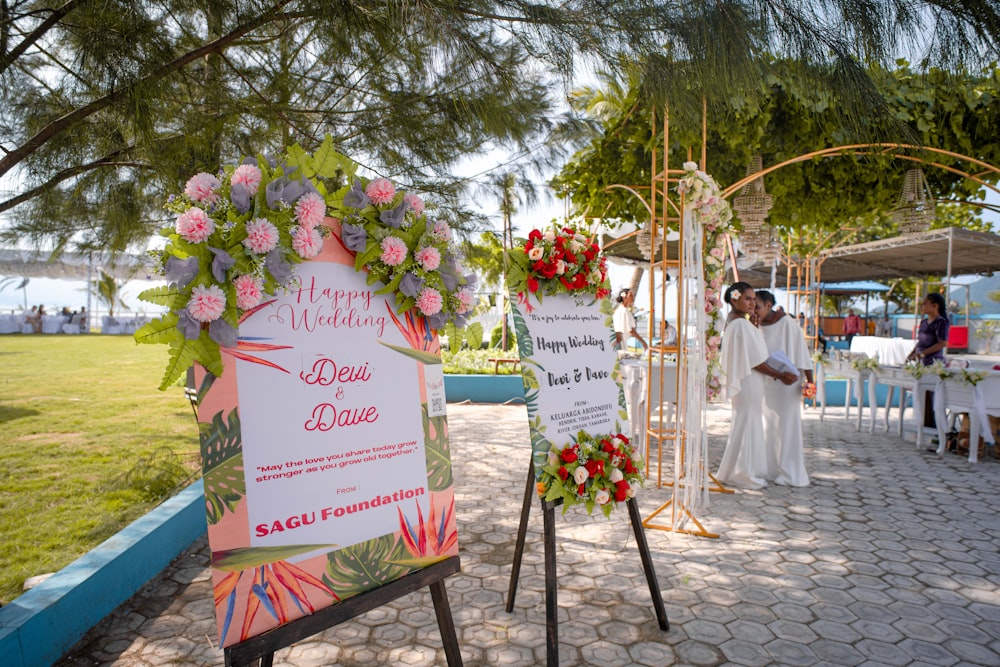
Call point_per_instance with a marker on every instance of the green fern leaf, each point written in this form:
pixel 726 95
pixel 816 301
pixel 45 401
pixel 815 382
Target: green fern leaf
pixel 161 330
pixel 165 295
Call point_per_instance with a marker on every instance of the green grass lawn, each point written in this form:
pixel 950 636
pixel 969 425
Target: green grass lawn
pixel 87 445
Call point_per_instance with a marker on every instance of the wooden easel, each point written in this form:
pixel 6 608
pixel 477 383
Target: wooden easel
pixel 259 651
pixel 549 537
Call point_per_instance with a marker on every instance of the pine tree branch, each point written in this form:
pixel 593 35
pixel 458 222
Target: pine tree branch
pixel 63 123
pixel 8 58
pixel 106 161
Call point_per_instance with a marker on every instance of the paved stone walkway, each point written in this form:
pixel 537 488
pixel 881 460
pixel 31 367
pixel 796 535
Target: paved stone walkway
pixel 890 557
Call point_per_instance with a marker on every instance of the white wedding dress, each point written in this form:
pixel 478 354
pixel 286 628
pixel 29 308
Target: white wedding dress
pixel 783 406
pixel 744 463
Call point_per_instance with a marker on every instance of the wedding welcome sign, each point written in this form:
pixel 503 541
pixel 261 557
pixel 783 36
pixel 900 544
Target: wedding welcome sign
pixel 576 406
pixel 320 390
pixel 325 441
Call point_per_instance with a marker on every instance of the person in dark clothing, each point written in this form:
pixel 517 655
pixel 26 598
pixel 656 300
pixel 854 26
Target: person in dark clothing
pixel 932 339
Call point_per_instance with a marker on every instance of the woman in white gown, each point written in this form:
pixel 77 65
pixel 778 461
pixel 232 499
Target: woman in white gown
pixel 744 353
pixel 783 403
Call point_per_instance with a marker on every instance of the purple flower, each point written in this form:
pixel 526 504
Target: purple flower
pixel 471 280
pixel 222 332
pixel 181 271
pixel 459 321
pixel 354 237
pixel 394 216
pixel 437 320
pixel 357 198
pixel 411 284
pixel 283 189
pixel 221 263
pixel 190 327
pixel 240 196
pixel 278 266
pixel 449 279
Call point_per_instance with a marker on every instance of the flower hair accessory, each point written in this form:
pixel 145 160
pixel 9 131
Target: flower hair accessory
pixel 558 260
pixel 595 470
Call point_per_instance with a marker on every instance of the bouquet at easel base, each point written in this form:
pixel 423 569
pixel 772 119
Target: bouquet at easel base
pixel 596 470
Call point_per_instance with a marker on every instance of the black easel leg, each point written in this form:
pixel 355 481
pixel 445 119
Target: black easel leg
pixel 522 530
pixel 647 565
pixel 446 624
pixel 551 603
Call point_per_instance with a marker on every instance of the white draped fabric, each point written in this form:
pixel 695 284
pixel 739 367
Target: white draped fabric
pixel 783 406
pixel 744 463
pixel 978 400
pixel 888 351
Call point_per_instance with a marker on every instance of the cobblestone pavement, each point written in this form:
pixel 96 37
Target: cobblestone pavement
pixel 890 557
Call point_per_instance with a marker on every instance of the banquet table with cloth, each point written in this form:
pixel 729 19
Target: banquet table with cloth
pixel 893 377
pixel 11 323
pixel 841 367
pixel 980 401
pixel 634 373
pixel 888 351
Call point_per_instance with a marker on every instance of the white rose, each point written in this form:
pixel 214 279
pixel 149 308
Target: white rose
pixel 560 267
pixel 631 492
pixel 549 235
pixel 535 254
pixel 580 475
pixel 575 246
pixel 616 475
pixel 602 497
pixel 617 442
pixel 698 186
pixel 690 166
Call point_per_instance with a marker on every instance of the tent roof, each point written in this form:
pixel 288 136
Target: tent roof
pixel 625 250
pixel 911 255
pixel 855 287
pixel 69 265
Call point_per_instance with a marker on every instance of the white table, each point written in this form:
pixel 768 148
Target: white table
pixel 979 401
pixel 892 377
pixel 855 383
pixel 11 323
pixel 52 324
pixel 888 351
pixel 634 387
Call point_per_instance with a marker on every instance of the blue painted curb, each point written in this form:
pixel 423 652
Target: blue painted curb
pixel 39 627
pixel 483 388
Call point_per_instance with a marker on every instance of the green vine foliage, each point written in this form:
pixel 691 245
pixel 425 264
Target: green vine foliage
pixel 793 114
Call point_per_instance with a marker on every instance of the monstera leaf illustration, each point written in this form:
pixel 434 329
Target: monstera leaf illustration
pixel 524 343
pixel 364 566
pixel 437 450
pixel 222 462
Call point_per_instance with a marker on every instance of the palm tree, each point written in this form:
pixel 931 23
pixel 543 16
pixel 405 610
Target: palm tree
pixel 109 292
pixel 6 282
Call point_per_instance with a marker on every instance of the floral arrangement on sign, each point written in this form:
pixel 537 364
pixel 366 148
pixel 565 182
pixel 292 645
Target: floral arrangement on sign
pixel 598 471
pixel 864 363
pixel 238 233
pixel 559 260
pixel 713 214
pixel 412 254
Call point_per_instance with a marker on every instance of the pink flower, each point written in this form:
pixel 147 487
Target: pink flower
pixel 194 225
pixel 415 202
pixel 381 191
pixel 262 236
pixel 310 210
pixel 202 188
pixel 716 252
pixel 306 242
pixel 429 258
pixel 429 301
pixel 393 250
pixel 466 300
pixel 249 291
pixel 441 231
pixel 207 303
pixel 248 176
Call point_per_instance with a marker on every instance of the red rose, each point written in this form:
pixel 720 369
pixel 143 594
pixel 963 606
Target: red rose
pixel 579 281
pixel 528 245
pixel 569 257
pixel 568 455
pixel 581 490
pixel 560 243
pixel 563 473
pixel 548 271
pixel 567 284
pixel 595 468
pixel 629 468
pixel 535 235
pixel 589 254
pixel 532 284
pixel 606 446
pixel 622 438
pixel 569 230
pixel 621 490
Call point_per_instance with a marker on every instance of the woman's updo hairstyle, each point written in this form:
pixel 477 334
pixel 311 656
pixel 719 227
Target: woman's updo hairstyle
pixel 621 295
pixel 737 289
pixel 765 296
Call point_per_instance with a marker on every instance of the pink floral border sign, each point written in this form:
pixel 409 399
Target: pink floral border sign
pixel 324 438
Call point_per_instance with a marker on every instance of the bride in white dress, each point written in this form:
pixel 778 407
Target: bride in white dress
pixel 783 403
pixel 744 353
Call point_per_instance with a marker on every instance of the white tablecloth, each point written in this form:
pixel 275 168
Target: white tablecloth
pixel 11 323
pixel 889 351
pixel 979 400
